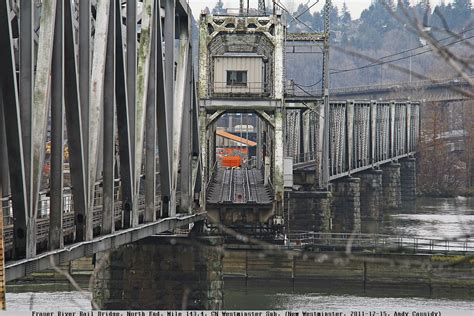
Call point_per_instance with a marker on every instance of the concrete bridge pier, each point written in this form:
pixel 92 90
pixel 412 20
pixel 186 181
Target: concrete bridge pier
pixel 391 186
pixel 371 194
pixel 346 205
pixel 408 179
pixel 309 211
pixel 161 273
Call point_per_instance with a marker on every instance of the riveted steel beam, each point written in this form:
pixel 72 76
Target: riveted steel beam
pixel 179 104
pixel 108 181
pixel 214 117
pixel 96 103
pixel 131 62
pixel 169 27
pixel 84 72
pixel 163 113
pixel 278 165
pixel 186 159
pixel 392 129
pixel 349 135
pixel 74 125
pixel 123 121
pixel 197 163
pixel 57 133
pixel 373 131
pixel 39 111
pixel 11 121
pixel 267 118
pixel 143 71
pixel 26 84
pixel 150 127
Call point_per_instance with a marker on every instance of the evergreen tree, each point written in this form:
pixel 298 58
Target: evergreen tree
pixel 334 15
pixel 304 17
pixel 345 15
pixel 453 16
pixel 402 6
pixel 423 12
pixel 375 22
pixel 462 11
pixel 318 23
pixel 303 13
pixel 462 5
pixel 219 8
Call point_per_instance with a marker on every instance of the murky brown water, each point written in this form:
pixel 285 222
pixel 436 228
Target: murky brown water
pixel 446 218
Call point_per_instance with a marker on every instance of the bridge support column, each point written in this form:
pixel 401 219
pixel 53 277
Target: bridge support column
pixel 309 211
pixel 162 273
pixel 408 179
pixel 346 205
pixel 371 194
pixel 391 186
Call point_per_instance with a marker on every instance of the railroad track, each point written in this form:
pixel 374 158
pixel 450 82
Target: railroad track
pixel 238 186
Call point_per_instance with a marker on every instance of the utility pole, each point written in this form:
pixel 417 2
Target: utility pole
pixel 410 69
pixel 261 6
pixel 324 179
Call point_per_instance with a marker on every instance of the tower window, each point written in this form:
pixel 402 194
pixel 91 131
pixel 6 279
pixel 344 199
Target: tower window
pixel 236 78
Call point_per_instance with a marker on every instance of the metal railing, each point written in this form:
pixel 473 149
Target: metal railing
pixel 42 222
pixel 242 13
pixel 362 134
pixel 380 243
pixel 293 90
pixel 304 157
pixel 247 88
pixel 402 85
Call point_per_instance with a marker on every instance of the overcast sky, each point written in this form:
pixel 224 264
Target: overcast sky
pixel 355 6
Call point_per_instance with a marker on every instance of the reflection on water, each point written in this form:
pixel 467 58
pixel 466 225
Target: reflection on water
pixel 48 301
pixel 443 218
pixel 264 297
pixel 252 298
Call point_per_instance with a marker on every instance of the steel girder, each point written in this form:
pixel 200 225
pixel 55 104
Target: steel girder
pixel 116 109
pixel 362 134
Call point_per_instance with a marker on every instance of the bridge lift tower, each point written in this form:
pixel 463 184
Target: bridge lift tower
pixel 242 70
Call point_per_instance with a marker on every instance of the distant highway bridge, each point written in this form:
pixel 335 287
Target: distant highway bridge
pixel 445 90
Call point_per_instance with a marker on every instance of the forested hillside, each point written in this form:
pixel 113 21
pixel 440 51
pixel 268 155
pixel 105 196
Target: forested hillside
pixel 364 50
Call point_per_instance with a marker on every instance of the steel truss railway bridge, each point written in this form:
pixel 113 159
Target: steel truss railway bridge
pixel 76 73
pixel 132 133
pixel 434 90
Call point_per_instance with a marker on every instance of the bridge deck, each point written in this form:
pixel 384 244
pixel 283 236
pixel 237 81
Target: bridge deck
pixel 238 186
pixel 447 89
pixel 20 268
pixel 43 223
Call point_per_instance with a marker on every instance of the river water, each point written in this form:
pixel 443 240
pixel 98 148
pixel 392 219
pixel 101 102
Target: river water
pixel 441 218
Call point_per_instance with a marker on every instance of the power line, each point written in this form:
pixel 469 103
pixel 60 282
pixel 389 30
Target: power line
pixel 393 60
pixel 304 11
pixel 295 18
pixel 379 62
pixel 376 62
pixel 309 86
